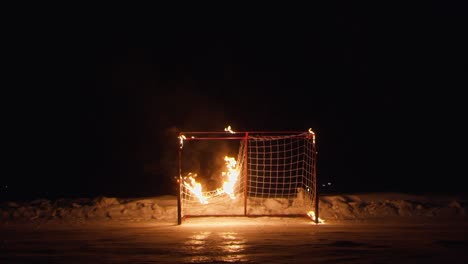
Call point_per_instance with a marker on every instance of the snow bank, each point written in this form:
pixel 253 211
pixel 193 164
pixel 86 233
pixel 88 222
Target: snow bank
pixel 385 205
pixel 164 208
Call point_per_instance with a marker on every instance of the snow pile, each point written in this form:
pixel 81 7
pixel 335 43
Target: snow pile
pixel 385 205
pixel 164 208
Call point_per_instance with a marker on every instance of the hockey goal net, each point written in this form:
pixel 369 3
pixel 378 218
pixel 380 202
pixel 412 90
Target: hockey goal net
pixel 247 174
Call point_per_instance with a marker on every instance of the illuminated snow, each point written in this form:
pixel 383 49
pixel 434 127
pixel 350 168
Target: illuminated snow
pixel 164 208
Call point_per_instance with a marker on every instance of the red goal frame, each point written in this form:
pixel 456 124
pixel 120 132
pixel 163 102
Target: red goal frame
pixel 309 135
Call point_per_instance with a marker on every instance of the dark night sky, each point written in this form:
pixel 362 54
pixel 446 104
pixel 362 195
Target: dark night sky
pixel 93 101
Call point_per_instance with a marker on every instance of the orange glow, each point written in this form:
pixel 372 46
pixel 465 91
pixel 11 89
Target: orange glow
pixel 181 140
pixel 232 175
pixel 196 188
pixel 311 214
pixel 313 135
pixel 228 129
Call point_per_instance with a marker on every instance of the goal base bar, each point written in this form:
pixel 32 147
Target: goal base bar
pixel 253 216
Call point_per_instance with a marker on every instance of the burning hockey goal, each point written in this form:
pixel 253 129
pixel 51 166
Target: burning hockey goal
pixel 247 174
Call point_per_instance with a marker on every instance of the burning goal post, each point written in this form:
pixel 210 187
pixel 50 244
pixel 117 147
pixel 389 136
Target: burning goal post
pixel 247 174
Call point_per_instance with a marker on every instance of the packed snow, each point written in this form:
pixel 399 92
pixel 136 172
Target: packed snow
pixel 366 206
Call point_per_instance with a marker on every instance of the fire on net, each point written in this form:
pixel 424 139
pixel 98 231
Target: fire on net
pixel 230 177
pixel 273 174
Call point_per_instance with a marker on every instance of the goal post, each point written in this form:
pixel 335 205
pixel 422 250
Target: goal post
pixel 247 174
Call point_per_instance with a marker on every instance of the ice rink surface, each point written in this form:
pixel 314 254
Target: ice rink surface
pixel 239 240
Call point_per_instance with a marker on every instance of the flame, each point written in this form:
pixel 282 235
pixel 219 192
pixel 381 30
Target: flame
pixel 228 129
pixel 232 175
pixel 311 214
pixel 313 134
pixel 181 140
pixel 196 188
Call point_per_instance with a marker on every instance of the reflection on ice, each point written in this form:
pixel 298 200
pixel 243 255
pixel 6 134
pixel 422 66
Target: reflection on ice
pixel 204 246
pixel 232 243
pixel 197 241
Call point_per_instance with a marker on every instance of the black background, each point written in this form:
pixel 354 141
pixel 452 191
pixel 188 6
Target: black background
pixel 93 100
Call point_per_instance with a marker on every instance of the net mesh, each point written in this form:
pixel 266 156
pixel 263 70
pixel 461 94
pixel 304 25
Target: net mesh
pixel 279 180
